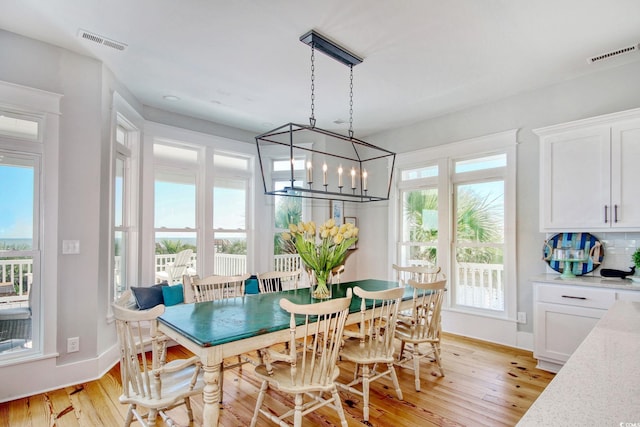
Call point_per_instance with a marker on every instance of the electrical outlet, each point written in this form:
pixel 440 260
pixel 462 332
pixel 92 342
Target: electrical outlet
pixel 522 317
pixel 73 344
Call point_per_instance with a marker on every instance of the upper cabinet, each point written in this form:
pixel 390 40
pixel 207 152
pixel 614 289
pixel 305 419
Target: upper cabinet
pixel 589 174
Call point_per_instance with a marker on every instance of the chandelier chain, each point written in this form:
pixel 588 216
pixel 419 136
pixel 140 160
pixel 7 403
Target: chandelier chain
pixel 312 119
pixel 351 101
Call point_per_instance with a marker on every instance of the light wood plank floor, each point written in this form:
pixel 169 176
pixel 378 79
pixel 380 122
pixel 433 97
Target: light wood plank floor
pixel 485 385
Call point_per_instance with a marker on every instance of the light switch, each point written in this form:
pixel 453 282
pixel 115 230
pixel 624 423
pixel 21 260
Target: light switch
pixel 70 247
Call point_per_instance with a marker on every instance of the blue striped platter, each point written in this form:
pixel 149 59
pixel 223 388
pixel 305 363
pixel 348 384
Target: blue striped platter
pixel 591 245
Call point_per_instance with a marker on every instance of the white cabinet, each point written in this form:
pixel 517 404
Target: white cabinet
pixel 589 174
pixel 563 316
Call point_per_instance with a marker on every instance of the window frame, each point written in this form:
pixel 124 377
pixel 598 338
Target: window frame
pixel 43 106
pixel 443 155
pixel 126 119
pixel 207 146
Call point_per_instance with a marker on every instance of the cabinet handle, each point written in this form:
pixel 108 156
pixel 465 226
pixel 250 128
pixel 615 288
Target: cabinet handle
pixel 615 213
pixel 606 220
pixel 572 297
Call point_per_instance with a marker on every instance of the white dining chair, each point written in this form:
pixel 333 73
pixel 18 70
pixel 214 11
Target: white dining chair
pixel 371 347
pixel 149 382
pixel 307 370
pixel 422 327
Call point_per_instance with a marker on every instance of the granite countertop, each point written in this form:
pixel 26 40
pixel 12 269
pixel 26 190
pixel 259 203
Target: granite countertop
pixel 589 280
pixel 600 383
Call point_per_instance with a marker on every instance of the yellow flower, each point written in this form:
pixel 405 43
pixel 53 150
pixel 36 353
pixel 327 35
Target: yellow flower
pixel 347 234
pixel 286 236
pixel 333 231
pixel 324 233
pixel 330 223
pixel 337 239
pixel 293 228
pixel 355 231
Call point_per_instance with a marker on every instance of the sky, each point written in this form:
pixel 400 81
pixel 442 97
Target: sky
pixel 16 202
pixel 176 206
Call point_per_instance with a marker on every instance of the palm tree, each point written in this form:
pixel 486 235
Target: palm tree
pixel 168 246
pixel 478 220
pixel 288 211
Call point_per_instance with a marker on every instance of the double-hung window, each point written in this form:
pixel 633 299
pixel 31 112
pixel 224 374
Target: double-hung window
pixel 175 202
pixel 230 213
pixel 478 237
pixel 286 210
pixel 456 210
pixel 125 184
pixel 28 170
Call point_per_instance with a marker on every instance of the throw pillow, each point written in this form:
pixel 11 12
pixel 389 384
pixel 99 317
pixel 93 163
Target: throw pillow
pixel 148 297
pixel 173 295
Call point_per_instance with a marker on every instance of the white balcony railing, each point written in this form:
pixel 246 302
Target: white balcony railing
pixel 477 285
pixel 480 285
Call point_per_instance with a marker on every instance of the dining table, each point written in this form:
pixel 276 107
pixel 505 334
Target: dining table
pixel 215 330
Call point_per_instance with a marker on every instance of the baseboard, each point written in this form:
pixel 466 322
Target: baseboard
pixel 43 375
pixel 499 331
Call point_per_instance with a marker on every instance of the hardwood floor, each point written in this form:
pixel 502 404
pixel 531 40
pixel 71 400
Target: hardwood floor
pixel 485 385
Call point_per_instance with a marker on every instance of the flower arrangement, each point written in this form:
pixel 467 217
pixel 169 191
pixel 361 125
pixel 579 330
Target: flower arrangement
pixel 323 249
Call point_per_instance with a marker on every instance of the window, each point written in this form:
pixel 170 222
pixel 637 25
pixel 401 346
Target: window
pixel 124 249
pixel 19 126
pixel 287 210
pixel 19 251
pixel 419 216
pixel 28 141
pixel 175 205
pixel 230 225
pixel 454 211
pixel 479 243
pixel 125 178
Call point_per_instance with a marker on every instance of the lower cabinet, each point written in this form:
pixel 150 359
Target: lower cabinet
pixel 563 316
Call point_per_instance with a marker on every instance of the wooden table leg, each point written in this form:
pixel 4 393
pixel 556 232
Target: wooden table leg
pixel 211 395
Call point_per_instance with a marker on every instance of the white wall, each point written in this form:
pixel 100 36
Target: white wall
pixel 83 200
pixel 591 95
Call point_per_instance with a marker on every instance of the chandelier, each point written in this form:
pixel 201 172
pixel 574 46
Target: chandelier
pixel 306 161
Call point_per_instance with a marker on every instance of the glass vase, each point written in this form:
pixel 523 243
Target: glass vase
pixel 320 289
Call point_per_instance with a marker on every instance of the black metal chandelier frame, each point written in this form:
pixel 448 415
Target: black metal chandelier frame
pixel 356 152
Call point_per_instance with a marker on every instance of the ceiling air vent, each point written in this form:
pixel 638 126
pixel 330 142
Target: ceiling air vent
pixel 96 38
pixel 628 49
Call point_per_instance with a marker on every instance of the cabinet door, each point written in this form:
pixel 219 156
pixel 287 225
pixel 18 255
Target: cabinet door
pixel 575 168
pixel 625 175
pixel 559 329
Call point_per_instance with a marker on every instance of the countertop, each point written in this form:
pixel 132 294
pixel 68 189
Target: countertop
pixel 588 280
pixel 600 383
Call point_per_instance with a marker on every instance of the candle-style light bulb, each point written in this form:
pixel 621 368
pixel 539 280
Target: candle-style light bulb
pixel 309 173
pixel 364 180
pixel 353 178
pixel 340 176
pixel 324 174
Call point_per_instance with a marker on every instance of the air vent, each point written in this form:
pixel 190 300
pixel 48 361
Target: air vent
pixel 96 38
pixel 629 49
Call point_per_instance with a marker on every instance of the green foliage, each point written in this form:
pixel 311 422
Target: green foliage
pixel 636 258
pixel 477 221
pixel 281 246
pixel 288 211
pixel 168 246
pixel 232 247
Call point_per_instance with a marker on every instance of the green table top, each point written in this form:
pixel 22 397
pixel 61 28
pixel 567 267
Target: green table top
pixel 219 322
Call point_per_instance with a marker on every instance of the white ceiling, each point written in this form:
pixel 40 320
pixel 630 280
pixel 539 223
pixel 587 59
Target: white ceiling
pixel 241 63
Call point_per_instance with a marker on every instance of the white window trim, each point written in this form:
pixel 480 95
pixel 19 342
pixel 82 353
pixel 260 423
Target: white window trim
pixel 504 142
pixel 46 105
pixel 208 144
pixel 122 113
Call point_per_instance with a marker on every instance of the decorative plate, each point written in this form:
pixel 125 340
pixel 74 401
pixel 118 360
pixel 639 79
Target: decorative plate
pixel 591 245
